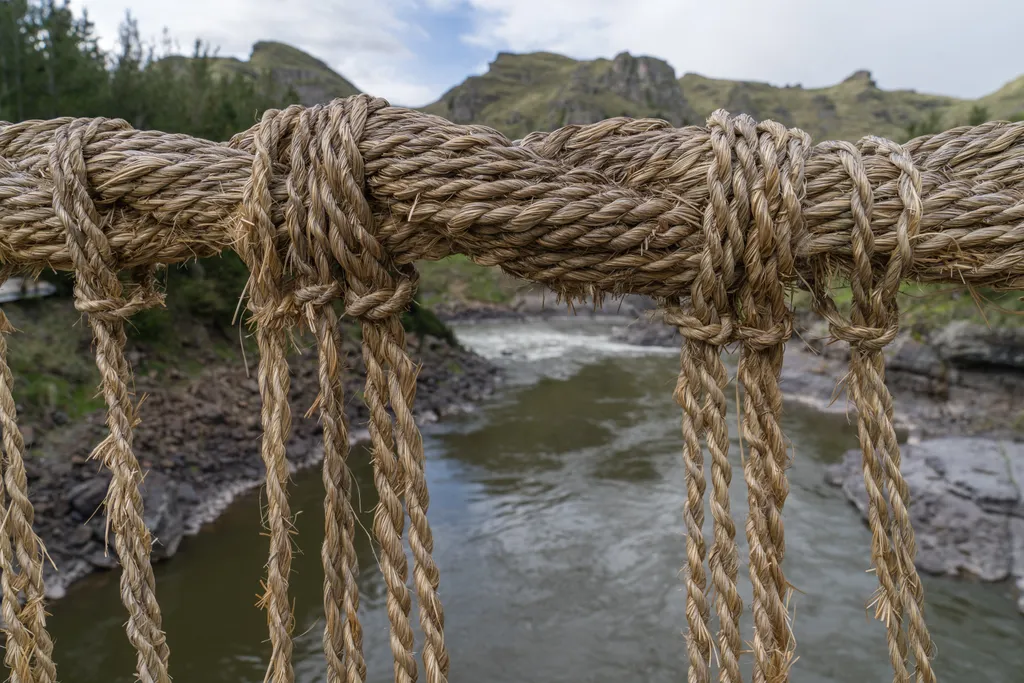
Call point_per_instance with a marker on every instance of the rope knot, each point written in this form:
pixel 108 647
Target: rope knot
pixel 112 309
pixel 750 226
pixel 718 333
pixel 873 322
pixel 380 303
pixel 332 250
pixel 98 291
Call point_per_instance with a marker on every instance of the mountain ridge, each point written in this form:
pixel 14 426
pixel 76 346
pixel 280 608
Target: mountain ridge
pixel 520 93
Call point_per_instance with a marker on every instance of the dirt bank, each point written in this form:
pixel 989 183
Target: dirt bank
pixel 198 443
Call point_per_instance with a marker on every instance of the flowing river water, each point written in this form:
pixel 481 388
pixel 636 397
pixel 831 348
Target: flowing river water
pixel 557 514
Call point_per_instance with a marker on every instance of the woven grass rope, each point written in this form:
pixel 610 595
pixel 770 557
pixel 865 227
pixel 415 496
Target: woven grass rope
pixel 336 203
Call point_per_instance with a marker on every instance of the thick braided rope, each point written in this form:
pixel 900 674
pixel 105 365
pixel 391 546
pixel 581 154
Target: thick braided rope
pixel 614 207
pixel 317 288
pixel 98 293
pixel 266 301
pixel 874 323
pixel 767 185
pixel 336 226
pixel 436 188
pixel 29 651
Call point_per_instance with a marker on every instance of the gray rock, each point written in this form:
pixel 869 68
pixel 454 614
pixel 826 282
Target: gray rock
pixel 907 354
pixel 163 514
pixel 87 496
pixel 648 334
pixel 1017 537
pixel 966 504
pixel 969 345
pixel 187 494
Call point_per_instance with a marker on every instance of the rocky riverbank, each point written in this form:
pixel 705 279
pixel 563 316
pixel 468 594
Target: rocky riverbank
pixel 959 396
pixel 968 505
pixel 198 443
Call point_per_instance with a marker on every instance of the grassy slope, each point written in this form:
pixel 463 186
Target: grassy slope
pixel 313 80
pixel 523 93
pixel 845 111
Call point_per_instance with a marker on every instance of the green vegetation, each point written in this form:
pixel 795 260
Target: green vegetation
pixel 53 371
pixel 459 280
pixel 846 111
pixel 542 91
pixel 51 65
pixel 932 306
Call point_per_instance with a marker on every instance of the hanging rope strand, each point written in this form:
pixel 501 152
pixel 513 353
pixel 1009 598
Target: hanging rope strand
pixel 267 303
pixel 339 201
pixel 873 325
pixel 99 293
pixel 29 651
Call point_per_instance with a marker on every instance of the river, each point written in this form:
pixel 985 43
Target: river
pixel 556 508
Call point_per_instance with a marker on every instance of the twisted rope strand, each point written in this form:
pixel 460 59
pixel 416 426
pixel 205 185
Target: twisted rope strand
pixel 874 323
pixel 698 635
pixel 724 557
pixel 759 190
pixel 389 518
pixel 343 639
pixel 339 201
pixel 260 253
pixel 98 292
pixel 373 298
pixel 29 654
pixel 575 222
pixel 904 543
pixel 310 251
pixel 402 391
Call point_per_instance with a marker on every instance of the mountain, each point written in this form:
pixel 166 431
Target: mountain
pixel 311 79
pixel 845 111
pixel 542 91
pixel 521 93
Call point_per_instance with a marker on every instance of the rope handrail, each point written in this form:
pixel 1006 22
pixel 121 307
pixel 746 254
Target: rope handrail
pixel 438 188
pixel 339 201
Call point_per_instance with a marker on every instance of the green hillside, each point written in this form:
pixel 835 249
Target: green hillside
pixel 542 91
pixel 845 111
pixel 521 93
pixel 289 68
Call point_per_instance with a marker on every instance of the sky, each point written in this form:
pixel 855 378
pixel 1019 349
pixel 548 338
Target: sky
pixel 411 51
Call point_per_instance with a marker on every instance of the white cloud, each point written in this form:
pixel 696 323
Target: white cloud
pixel 937 46
pixel 929 45
pixel 364 41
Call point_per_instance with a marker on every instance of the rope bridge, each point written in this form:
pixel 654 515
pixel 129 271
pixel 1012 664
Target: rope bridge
pixel 336 203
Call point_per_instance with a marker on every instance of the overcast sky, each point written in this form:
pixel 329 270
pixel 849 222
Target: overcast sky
pixel 411 51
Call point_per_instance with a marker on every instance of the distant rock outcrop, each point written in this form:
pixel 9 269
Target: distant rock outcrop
pixel 968 505
pixel 543 91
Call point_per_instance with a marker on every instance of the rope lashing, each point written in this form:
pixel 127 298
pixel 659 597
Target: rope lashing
pixel 331 207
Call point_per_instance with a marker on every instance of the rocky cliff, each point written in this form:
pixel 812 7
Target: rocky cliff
pixel 290 68
pixel 542 91
pixel 521 93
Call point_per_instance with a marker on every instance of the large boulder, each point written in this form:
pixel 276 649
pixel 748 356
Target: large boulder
pixel 967 506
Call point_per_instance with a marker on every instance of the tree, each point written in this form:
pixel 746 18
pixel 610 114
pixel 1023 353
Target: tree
pixel 929 125
pixel 978 115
